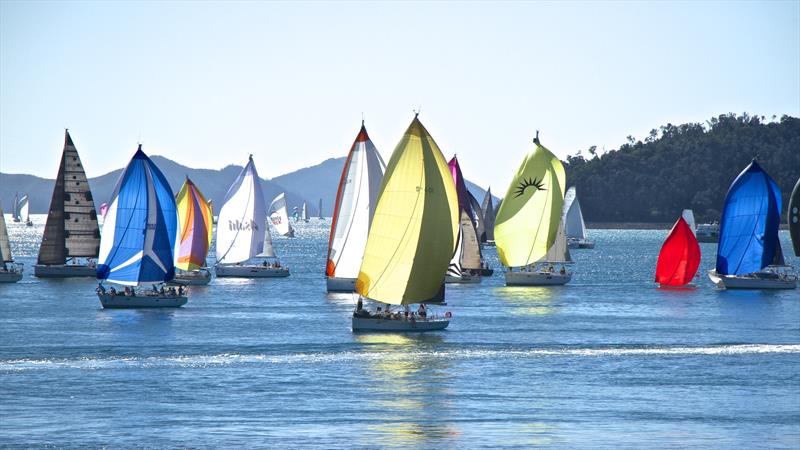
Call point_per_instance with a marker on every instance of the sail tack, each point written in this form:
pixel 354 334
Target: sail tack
pixel 415 225
pixel 71 229
pixel 356 198
pixel 748 234
pixel 279 216
pixel 139 233
pixel 239 233
pixel 527 221
pixel 679 257
pixel 195 219
pixel 574 226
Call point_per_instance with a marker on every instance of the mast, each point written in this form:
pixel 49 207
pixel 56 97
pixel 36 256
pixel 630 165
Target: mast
pixel 71 229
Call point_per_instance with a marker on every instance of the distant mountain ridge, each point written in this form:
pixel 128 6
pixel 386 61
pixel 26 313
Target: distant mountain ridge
pixel 309 184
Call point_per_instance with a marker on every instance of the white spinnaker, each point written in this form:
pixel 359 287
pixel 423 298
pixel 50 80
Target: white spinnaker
pixel 239 233
pixel 279 216
pixel 572 218
pixel 24 209
pixel 688 216
pixel 357 205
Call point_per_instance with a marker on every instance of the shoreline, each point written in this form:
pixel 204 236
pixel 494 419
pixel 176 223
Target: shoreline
pixel 639 226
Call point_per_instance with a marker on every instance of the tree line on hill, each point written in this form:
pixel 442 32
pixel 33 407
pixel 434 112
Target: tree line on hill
pixel 684 166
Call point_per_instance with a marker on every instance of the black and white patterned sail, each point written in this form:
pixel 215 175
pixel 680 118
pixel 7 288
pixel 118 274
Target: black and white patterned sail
pixel 71 229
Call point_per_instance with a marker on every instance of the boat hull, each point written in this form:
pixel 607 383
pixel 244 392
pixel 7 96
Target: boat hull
pixel 341 284
pixel 537 278
pixel 141 301
pixel 192 278
pixel 748 282
pixel 463 279
pixel 10 276
pixel 376 324
pixel 486 272
pixel 250 271
pixel 64 271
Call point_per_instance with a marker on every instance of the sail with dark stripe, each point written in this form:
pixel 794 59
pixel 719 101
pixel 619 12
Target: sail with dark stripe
pixel 794 218
pixel 71 229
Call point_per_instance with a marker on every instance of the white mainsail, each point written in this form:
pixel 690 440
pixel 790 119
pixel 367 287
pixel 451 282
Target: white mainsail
pixel 574 226
pixel 279 216
pixel 559 251
pixel 5 248
pixel 305 212
pixel 356 198
pixel 688 216
pixel 239 234
pixel 24 208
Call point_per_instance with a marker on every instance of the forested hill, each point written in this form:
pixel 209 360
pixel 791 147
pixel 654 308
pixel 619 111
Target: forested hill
pixel 684 166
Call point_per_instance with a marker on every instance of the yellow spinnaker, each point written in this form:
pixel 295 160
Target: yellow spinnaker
pixel 414 229
pixel 194 227
pixel 527 222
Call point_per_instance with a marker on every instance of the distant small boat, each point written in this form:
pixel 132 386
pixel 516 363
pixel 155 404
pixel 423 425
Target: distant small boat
pixel 319 211
pixel 574 226
pixel 793 218
pixel 707 232
pixel 679 257
pixel 749 255
pixel 304 214
pixel 489 213
pixel 356 198
pixel 23 209
pixel 528 230
pixel 137 246
pixel 411 238
pixel 194 236
pixel 239 234
pixel 280 217
pixel 467 261
pixel 71 240
pixel 15 216
pixel 10 272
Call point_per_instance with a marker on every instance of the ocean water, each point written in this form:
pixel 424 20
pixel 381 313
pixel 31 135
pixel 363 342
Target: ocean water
pixel 607 361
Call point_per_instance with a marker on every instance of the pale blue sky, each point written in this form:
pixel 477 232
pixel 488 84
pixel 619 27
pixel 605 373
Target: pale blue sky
pixel 206 83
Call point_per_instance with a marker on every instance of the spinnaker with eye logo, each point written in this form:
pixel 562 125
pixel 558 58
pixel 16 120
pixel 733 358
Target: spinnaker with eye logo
pixel 528 230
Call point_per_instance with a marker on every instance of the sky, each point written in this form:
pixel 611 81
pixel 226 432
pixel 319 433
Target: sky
pixel 207 83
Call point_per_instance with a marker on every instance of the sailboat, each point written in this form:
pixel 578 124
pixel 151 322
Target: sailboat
pixel 528 222
pixel 574 226
pixel 793 218
pixel 319 211
pixel 71 241
pixel 10 272
pixel 679 257
pixel 194 235
pixel 488 218
pixel 280 217
pixel 467 262
pixel 748 253
pixel 305 212
pixel 239 234
pixel 24 211
pixel 15 209
pixel 411 239
pixel 356 198
pixel 137 246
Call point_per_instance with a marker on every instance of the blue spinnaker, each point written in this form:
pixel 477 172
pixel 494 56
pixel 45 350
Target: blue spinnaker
pixel 748 235
pixel 140 228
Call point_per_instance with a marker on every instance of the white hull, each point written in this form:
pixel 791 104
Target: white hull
pixel 192 278
pixel 374 324
pixel 751 282
pixel 254 271
pixel 537 278
pixel 580 243
pixel 341 284
pixel 141 301
pixel 463 279
pixel 7 276
pixel 64 271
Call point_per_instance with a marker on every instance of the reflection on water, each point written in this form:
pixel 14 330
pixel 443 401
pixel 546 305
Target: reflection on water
pixel 529 300
pixel 411 389
pixel 342 298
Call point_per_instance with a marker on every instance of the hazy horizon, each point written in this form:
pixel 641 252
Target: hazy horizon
pixel 205 84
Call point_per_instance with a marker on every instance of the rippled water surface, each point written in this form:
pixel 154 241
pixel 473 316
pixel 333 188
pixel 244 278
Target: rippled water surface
pixel 606 361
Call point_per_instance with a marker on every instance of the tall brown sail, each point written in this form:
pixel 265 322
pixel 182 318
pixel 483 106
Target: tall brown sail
pixel 71 229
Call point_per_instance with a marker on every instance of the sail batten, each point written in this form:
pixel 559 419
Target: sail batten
pixel 71 229
pixel 415 225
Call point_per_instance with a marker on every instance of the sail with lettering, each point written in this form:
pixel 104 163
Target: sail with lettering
pixel 679 257
pixel 195 227
pixel 137 246
pixel 279 216
pixel 239 227
pixel 528 219
pixel 415 225
pixel 71 230
pixel 356 199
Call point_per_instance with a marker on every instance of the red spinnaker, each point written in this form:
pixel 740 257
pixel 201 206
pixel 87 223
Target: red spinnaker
pixel 679 257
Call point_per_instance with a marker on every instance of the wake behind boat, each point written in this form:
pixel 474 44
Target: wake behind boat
pixel 239 234
pixel 71 241
pixel 137 247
